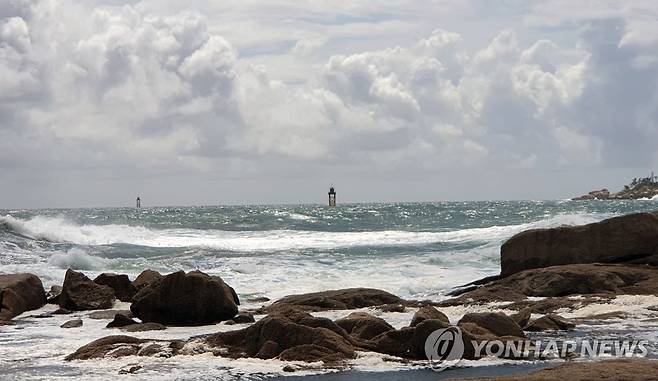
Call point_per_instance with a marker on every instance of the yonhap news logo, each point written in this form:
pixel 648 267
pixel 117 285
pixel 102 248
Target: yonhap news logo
pixel 445 348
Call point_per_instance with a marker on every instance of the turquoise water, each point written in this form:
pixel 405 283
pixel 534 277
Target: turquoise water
pixel 416 250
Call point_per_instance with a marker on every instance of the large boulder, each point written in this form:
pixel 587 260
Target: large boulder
pixel 79 293
pixel 345 299
pixel 182 299
pixel 124 290
pixel 631 239
pixel 145 278
pixel 20 293
pixel 560 281
pixel 363 325
pixel 298 337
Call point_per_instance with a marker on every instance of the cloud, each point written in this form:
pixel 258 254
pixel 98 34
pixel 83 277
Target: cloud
pixel 255 89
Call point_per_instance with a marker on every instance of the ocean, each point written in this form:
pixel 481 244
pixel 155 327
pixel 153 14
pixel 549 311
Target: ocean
pixel 414 250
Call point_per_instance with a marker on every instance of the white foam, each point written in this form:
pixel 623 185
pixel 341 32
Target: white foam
pixel 58 229
pixel 77 259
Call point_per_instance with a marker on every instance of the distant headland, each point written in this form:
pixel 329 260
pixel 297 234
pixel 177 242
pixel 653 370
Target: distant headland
pixel 639 188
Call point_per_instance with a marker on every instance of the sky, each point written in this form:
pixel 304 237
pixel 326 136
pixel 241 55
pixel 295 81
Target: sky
pixel 272 101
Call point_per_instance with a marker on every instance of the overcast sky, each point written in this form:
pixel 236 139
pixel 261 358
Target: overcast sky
pixel 271 101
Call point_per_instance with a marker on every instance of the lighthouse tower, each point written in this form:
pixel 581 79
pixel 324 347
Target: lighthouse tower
pixel 332 197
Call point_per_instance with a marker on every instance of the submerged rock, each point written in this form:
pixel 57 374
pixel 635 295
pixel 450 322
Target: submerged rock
pixel 72 324
pixel 80 293
pixel 345 299
pixel 124 290
pixel 188 299
pixel 630 239
pixel 20 293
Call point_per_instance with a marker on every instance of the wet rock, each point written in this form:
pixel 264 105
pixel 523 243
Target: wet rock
pixel 113 345
pixel 52 296
pixel 62 311
pixel 143 327
pixel 72 324
pixel 188 299
pixel 498 324
pixel 345 299
pixel 130 369
pixel 560 281
pixel 428 312
pixel 294 336
pixel 124 290
pixel 109 314
pixel 363 326
pixel 550 322
pixel 631 238
pixel 408 342
pixel 20 293
pixel 80 293
pixel 392 308
pixel 152 350
pixel 242 318
pixel 145 278
pixel 119 321
pixel 522 317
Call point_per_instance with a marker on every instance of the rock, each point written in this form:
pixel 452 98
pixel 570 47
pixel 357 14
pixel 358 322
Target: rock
pixel 130 369
pixel 363 326
pixel 72 324
pixel 109 314
pixel 153 350
pixel 392 308
pixel 428 312
pixel 183 299
pixel 258 299
pixel 300 336
pixel 242 318
pixel 143 327
pixel 550 323
pixel 345 299
pixel 107 345
pixel 602 194
pixel 631 239
pixel 498 324
pixel 20 293
pixel 560 281
pixel 522 317
pixel 52 296
pixel 145 278
pixel 124 290
pixel 62 311
pixel 408 342
pixel 79 293
pixel 119 321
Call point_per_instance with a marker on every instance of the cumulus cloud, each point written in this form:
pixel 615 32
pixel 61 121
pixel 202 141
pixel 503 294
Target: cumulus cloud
pixel 108 86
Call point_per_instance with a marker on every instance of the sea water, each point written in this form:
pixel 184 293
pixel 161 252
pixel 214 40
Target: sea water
pixel 414 250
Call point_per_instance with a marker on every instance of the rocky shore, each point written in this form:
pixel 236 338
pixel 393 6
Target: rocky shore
pixel 552 281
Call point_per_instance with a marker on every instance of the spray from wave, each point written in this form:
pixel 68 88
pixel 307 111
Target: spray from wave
pixel 78 259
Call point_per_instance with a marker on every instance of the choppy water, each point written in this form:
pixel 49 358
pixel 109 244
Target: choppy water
pixel 412 249
pixel 415 250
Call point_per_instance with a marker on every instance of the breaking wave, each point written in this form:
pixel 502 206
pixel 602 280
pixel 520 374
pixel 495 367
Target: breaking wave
pixel 61 230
